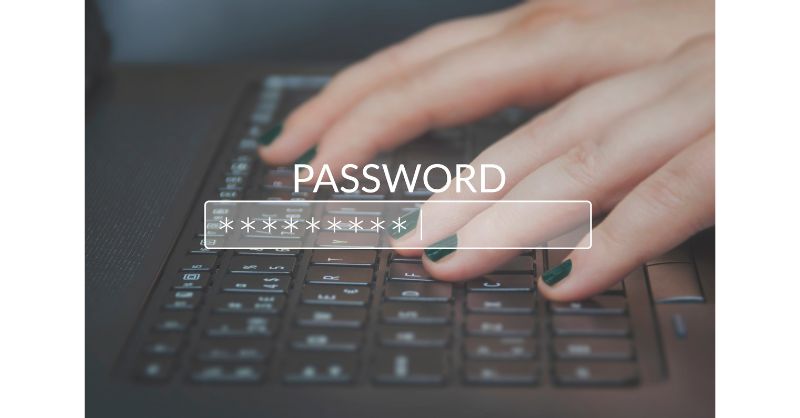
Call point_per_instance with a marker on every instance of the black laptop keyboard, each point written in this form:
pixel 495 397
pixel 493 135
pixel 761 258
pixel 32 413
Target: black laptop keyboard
pixel 210 320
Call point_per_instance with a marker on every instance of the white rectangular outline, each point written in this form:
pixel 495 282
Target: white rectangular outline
pixel 591 224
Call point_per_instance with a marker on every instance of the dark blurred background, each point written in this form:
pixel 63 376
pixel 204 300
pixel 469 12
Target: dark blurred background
pixel 192 31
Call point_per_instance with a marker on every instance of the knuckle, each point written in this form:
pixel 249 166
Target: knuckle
pixel 697 51
pixel 443 29
pixel 556 18
pixel 393 57
pixel 666 191
pixel 704 43
pixel 614 239
pixel 581 164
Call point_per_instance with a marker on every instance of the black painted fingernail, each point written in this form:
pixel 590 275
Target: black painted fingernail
pixel 271 134
pixel 557 273
pixel 411 219
pixel 308 156
pixel 442 248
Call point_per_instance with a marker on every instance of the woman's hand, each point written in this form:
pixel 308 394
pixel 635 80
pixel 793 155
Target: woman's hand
pixel 636 138
pixel 640 145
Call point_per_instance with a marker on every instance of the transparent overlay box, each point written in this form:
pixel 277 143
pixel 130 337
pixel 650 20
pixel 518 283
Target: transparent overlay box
pixel 374 224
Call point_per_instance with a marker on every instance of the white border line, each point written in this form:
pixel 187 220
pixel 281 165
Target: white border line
pixel 289 202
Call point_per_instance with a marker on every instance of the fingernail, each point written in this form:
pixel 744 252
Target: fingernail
pixel 411 219
pixel 557 273
pixel 271 134
pixel 442 248
pixel 307 157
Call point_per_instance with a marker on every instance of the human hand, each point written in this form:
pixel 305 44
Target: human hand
pixel 640 145
pixel 536 53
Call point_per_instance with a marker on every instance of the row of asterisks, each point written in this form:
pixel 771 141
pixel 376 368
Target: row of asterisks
pixel 291 225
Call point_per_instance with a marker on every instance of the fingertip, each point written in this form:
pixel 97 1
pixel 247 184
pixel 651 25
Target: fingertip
pixel 442 272
pixel 555 284
pixel 268 156
pixel 553 292
pixel 569 283
pixel 451 265
pixel 407 252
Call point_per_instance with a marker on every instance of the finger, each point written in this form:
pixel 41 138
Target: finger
pixel 593 109
pixel 666 209
pixel 306 124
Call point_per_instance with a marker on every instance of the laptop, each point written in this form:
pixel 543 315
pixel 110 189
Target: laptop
pixel 206 332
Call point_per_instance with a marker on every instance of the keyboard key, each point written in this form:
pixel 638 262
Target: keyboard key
pixel 334 317
pixel 262 265
pixel 239 167
pixel 351 209
pixel 502 283
pixel 225 194
pixel 501 373
pixel 518 264
pixel 227 373
pixel 233 181
pixel 275 194
pixel 280 213
pixel 597 326
pixel 199 263
pixel 319 368
pixel 163 344
pixel 415 313
pixel 674 283
pixel 174 322
pixel 351 276
pixel 616 288
pixel 192 281
pixel 248 303
pixel 418 292
pixel 597 305
pixel 417 366
pixel 409 272
pixel 325 340
pixel 413 336
pixel 183 300
pixel 348 239
pixel 501 326
pixel 246 283
pixel 240 326
pixel 198 246
pixel 508 348
pixel 593 348
pixel 501 303
pixel 344 257
pixel 680 254
pixel 279 180
pixel 271 251
pixel 589 374
pixel 397 258
pixel 154 369
pixel 232 350
pixel 336 295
